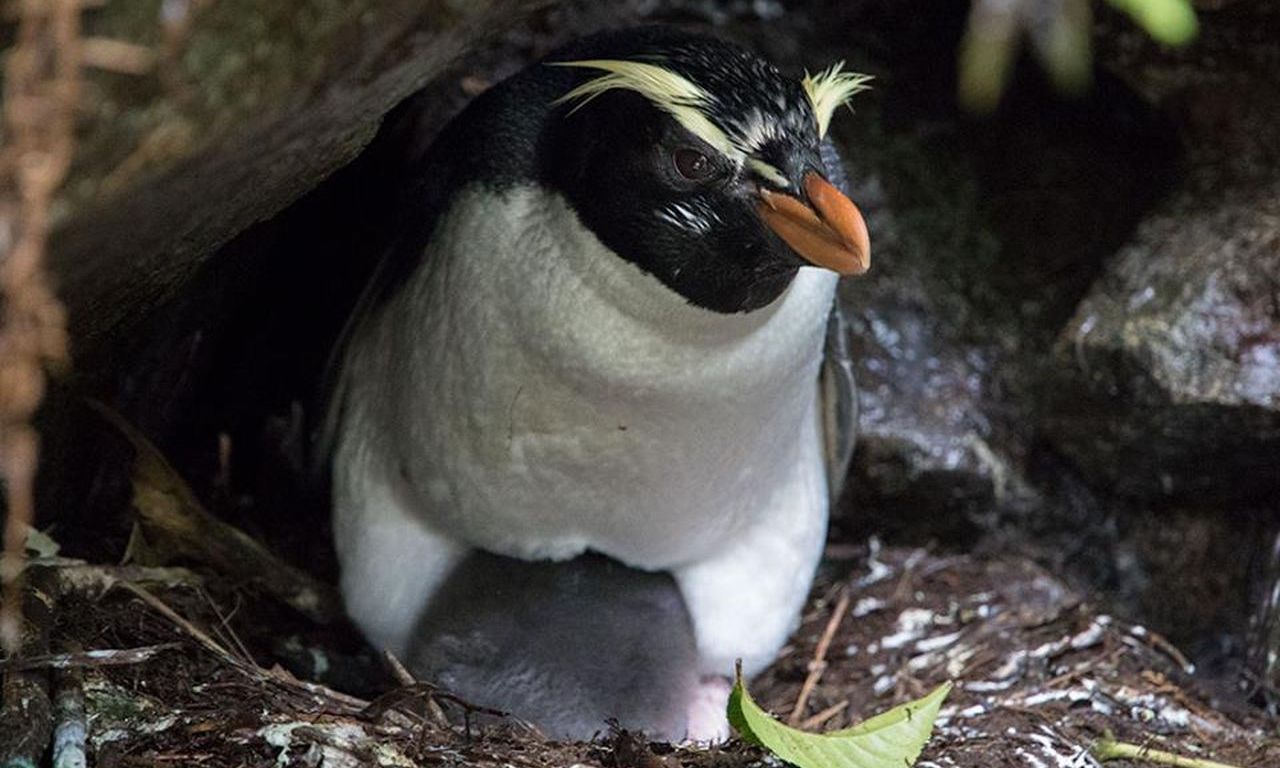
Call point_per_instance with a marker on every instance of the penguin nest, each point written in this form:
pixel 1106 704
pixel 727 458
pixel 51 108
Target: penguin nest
pixel 175 672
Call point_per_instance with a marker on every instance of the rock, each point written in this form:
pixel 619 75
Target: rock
pixel 1169 382
pixel 922 466
pixel 1167 393
pixel 1171 366
pixel 1265 639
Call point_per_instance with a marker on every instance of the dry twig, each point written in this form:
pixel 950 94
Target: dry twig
pixel 197 634
pixel 328 699
pixel 402 675
pixel 107 657
pixel 71 728
pixel 822 717
pixel 819 663
pixel 406 679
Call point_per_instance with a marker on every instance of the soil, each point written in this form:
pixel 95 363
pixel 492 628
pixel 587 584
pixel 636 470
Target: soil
pixel 1040 677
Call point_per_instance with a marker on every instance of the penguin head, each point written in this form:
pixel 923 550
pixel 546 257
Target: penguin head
pixel 702 164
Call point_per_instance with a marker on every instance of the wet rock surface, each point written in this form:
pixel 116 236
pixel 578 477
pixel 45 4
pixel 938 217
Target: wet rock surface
pixel 1170 379
pixel 1172 363
pixel 1167 398
pixel 1171 366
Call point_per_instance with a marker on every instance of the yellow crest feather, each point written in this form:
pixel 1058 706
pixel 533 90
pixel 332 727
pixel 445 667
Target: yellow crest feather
pixel 829 89
pixel 668 91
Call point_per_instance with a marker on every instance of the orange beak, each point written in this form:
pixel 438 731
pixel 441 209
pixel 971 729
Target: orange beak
pixel 832 234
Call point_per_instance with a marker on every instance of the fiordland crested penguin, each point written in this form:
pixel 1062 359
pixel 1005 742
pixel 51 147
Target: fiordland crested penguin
pixel 608 326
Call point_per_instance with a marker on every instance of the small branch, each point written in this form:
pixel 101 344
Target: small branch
pixel 819 663
pixel 1162 644
pixel 393 699
pixel 77 577
pixel 406 679
pixel 402 675
pixel 1110 749
pixel 99 658
pixel 276 676
pixel 197 634
pixel 822 717
pixel 70 728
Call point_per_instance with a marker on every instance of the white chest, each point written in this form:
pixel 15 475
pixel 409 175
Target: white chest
pixel 542 396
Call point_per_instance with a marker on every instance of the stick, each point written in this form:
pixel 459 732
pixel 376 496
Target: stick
pixel 78 577
pixel 1110 749
pixel 196 633
pixel 824 716
pixel 406 679
pixel 1161 643
pixel 98 658
pixel 819 663
pixel 398 670
pixel 70 729
pixel 276 676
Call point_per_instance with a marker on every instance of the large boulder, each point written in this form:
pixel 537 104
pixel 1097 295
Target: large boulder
pixel 1171 366
pixel 1169 371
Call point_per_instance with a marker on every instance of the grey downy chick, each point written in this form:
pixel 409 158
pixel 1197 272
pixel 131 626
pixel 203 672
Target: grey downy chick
pixel 565 646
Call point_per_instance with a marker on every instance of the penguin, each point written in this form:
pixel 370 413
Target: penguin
pixel 568 646
pixel 606 324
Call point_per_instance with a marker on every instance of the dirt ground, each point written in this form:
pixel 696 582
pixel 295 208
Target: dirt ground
pixel 1040 676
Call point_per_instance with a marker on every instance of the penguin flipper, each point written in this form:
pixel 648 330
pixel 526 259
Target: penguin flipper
pixel 839 400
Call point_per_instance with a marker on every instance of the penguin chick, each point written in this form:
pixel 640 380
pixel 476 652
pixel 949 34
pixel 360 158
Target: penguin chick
pixel 566 646
pixel 608 325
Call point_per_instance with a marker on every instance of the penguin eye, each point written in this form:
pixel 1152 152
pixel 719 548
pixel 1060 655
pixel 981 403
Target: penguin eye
pixel 692 164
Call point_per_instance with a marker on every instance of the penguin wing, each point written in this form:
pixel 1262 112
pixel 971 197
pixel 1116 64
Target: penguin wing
pixel 839 399
pixel 836 387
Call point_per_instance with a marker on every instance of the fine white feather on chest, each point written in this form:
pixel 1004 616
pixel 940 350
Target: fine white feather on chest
pixel 536 395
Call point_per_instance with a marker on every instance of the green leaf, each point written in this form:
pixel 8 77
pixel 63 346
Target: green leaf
pixel 1108 748
pixel 891 739
pixel 1172 22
